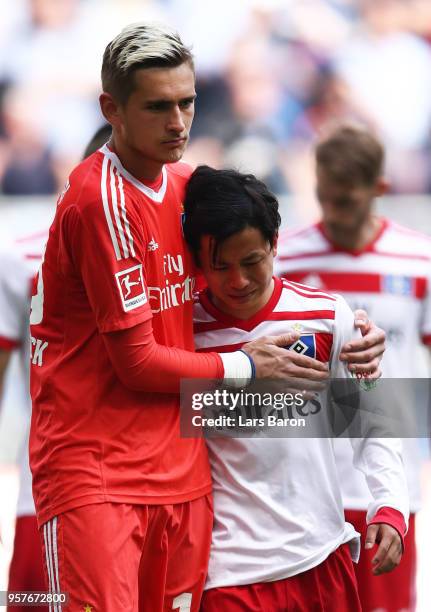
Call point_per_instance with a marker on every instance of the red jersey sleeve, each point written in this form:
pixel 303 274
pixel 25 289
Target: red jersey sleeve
pixel 104 242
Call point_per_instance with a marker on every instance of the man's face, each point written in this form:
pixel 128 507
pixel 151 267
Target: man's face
pixel 345 208
pixel 155 122
pixel 240 278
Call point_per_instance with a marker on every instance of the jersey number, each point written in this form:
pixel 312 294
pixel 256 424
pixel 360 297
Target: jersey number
pixel 36 313
pixel 183 602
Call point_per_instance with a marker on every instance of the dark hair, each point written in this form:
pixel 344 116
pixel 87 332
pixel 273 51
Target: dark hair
pixel 351 156
pixel 102 135
pixel 220 203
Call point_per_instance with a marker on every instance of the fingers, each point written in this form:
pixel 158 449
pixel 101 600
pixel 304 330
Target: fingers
pixel 360 313
pixel 389 552
pixel 272 360
pixel 363 355
pixel 307 362
pixel 389 557
pixel 374 341
pixel 370 538
pixel 284 340
pixel 362 321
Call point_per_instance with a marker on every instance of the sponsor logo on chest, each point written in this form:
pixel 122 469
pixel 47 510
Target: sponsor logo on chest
pixel 177 289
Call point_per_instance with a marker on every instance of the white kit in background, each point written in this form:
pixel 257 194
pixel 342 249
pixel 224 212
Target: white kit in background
pixel 391 280
pixel 19 262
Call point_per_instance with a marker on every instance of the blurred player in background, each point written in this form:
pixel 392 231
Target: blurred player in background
pixel 18 266
pixel 386 269
pixel 280 541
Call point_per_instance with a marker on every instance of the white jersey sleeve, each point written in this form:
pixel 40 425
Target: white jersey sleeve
pixel 14 295
pixel 16 273
pixel 379 459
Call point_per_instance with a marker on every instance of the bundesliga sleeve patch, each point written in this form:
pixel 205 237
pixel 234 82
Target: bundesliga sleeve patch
pixel 131 286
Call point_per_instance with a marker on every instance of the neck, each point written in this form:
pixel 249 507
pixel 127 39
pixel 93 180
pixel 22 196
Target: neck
pixel 357 238
pixel 143 169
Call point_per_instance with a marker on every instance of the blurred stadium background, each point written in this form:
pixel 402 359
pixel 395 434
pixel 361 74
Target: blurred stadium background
pixel 270 75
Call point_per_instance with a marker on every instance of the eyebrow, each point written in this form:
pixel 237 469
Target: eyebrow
pixel 253 254
pixel 170 101
pixel 256 253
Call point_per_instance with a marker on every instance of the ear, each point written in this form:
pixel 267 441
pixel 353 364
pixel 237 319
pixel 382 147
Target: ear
pixel 275 245
pixel 382 186
pixel 109 108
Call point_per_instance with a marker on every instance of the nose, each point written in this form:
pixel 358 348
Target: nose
pixel 238 280
pixel 329 210
pixel 175 120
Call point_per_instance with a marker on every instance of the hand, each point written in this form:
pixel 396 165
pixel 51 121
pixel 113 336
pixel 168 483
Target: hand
pixel 364 355
pixel 390 549
pixel 272 360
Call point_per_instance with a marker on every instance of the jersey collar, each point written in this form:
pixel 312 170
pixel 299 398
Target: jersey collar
pixel 368 248
pixel 156 196
pixel 245 324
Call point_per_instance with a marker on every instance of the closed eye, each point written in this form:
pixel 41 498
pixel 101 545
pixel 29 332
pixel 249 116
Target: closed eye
pixel 187 102
pixel 157 107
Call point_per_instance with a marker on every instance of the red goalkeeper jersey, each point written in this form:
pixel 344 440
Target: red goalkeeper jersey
pixel 115 257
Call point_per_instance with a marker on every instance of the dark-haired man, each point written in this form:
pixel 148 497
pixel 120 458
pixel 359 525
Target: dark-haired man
pixel 386 269
pixel 280 540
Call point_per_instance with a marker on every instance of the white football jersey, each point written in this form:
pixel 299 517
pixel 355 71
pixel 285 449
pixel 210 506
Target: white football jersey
pixel 18 265
pixel 277 502
pixel 391 280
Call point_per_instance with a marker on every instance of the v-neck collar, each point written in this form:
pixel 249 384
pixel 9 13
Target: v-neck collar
pixel 156 196
pixel 368 248
pixel 245 324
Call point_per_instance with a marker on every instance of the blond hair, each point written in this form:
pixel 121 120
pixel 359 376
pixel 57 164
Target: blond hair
pixel 139 46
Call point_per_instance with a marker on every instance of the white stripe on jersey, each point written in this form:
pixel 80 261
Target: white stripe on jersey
pixel 51 554
pixel 45 538
pixel 48 554
pixel 123 212
pixel 109 186
pixel 105 201
pixel 156 196
pixel 116 211
pixel 55 559
pixel 397 251
pixel 310 292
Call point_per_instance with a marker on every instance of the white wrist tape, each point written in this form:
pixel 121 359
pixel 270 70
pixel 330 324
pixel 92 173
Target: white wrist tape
pixel 237 368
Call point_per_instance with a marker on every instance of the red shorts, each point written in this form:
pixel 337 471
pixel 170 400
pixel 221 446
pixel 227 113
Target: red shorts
pixel 134 558
pixel 26 568
pixel 392 591
pixel 330 586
